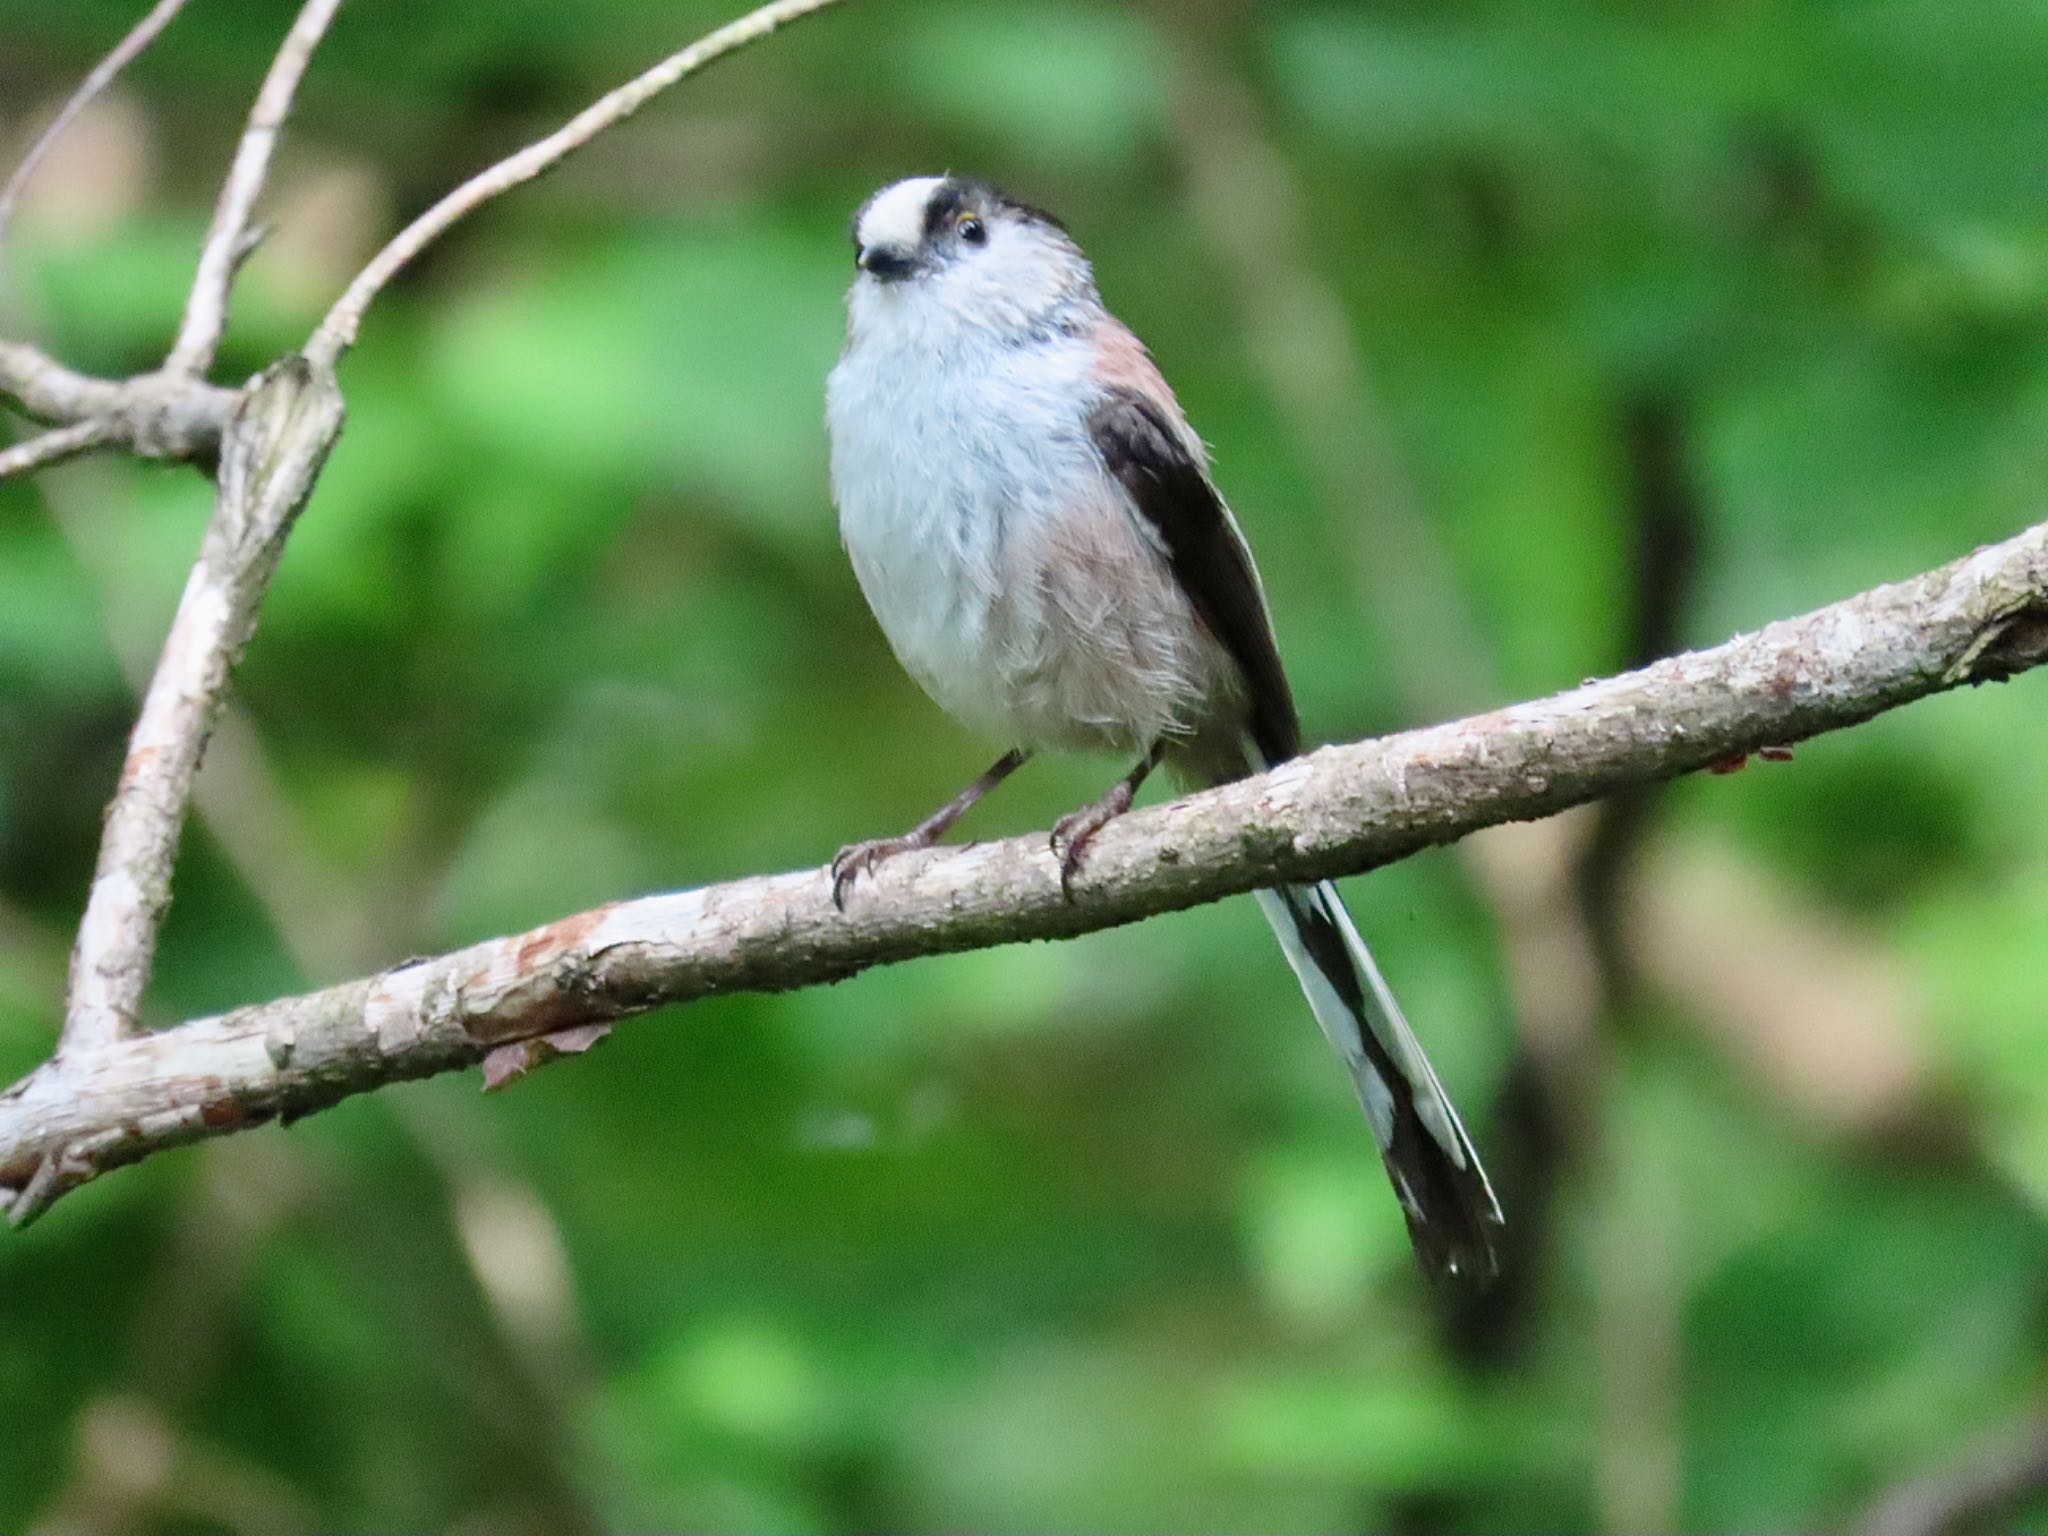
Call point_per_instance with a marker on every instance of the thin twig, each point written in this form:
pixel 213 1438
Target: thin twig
pixel 337 332
pixel 270 457
pixel 53 447
pixel 206 310
pixel 1337 811
pixel 139 37
pixel 153 414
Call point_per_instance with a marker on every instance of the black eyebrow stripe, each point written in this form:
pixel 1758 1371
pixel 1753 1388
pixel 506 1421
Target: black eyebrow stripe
pixel 947 199
pixel 991 198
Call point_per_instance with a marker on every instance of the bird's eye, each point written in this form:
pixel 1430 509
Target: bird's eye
pixel 973 231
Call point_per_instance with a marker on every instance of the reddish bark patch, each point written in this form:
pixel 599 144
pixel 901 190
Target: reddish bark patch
pixel 137 764
pixel 546 945
pixel 224 1114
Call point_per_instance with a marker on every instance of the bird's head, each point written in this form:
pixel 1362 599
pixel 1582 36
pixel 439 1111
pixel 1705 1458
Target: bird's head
pixel 959 251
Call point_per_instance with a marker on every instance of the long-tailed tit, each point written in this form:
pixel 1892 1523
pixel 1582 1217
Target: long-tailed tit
pixel 1032 520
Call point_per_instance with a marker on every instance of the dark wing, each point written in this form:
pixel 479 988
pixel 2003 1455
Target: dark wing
pixel 1142 450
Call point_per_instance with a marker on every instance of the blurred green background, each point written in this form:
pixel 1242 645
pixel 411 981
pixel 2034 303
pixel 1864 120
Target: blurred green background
pixel 1533 339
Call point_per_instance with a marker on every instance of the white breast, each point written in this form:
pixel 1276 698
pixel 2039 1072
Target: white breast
pixel 1011 575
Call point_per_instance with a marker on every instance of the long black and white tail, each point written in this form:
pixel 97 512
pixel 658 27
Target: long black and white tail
pixel 1452 1214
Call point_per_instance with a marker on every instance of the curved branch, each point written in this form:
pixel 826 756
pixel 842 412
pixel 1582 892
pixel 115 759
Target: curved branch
pixel 337 332
pixel 1337 811
pixel 173 413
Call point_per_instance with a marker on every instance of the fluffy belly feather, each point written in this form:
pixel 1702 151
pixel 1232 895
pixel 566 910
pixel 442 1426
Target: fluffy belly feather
pixel 1012 578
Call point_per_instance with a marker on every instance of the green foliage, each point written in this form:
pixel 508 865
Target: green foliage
pixel 1070 1237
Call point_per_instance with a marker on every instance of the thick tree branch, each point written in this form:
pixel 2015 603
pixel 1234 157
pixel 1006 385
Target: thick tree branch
pixel 139 37
pixel 1338 811
pixel 337 332
pixel 206 309
pixel 272 453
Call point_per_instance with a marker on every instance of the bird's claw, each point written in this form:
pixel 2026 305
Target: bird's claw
pixel 857 859
pixel 1073 832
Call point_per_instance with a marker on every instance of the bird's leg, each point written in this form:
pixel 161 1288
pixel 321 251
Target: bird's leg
pixel 1072 833
pixel 857 859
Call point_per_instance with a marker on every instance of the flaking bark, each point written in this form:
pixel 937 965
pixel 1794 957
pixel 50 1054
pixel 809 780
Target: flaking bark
pixel 1337 811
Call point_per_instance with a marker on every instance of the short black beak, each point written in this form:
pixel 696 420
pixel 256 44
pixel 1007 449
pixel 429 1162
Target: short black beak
pixel 886 262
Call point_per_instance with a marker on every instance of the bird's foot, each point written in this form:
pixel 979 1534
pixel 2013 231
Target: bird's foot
pixel 857 859
pixel 1073 832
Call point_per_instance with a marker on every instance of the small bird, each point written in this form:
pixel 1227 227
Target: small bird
pixel 1032 520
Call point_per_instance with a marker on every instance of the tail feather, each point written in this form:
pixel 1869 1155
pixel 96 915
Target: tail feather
pixel 1452 1214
